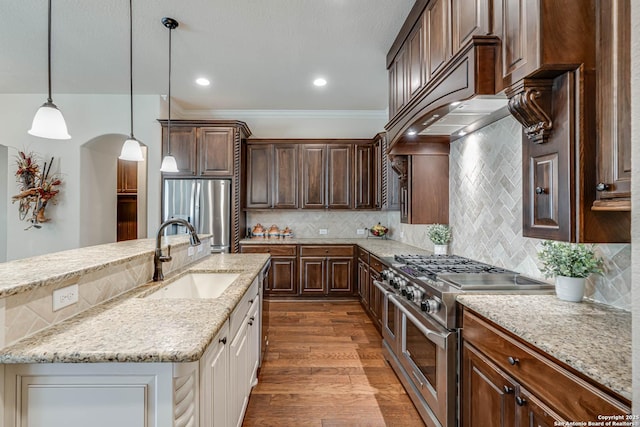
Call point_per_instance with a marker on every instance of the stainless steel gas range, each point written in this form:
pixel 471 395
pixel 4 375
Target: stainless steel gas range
pixel 419 323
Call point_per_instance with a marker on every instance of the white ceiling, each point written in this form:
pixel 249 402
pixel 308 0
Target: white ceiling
pixel 258 54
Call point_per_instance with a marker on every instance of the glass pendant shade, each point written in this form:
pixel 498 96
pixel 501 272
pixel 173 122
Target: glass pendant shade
pixel 169 164
pixel 131 151
pixel 49 123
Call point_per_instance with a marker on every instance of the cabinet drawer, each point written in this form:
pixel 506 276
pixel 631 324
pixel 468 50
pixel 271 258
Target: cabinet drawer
pixel 571 396
pixel 241 310
pixel 275 250
pixel 326 250
pixel 363 255
pixel 376 264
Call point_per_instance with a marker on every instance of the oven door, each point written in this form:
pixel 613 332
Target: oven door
pixel 390 317
pixel 427 354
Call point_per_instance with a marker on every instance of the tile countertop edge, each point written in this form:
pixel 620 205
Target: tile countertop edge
pixel 555 327
pixel 119 318
pixel 138 248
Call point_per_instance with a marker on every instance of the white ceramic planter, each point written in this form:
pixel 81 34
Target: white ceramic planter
pixel 440 249
pixel 570 288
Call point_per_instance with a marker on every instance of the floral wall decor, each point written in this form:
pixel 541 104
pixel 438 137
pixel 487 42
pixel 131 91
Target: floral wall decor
pixel 37 188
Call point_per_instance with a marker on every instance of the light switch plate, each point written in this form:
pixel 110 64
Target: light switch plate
pixel 360 231
pixel 324 231
pixel 64 297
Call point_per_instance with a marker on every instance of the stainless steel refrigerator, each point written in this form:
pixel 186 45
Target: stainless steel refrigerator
pixel 205 203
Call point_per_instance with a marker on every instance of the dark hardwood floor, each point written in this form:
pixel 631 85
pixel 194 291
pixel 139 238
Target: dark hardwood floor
pixel 324 367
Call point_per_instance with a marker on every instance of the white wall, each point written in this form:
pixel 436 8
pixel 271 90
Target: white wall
pixel 4 197
pixel 87 117
pixel 635 198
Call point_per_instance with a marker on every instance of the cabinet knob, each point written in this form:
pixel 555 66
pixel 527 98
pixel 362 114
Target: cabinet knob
pixel 520 401
pixel 602 186
pixel 512 360
pixel 540 190
pixel 507 389
pixel 252 318
pixel 250 301
pixel 223 340
pixel 250 323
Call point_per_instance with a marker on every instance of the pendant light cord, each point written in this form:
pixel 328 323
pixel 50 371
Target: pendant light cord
pixel 131 62
pixel 49 99
pixel 169 95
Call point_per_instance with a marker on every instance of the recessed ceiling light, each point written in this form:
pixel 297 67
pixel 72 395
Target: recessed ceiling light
pixel 462 133
pixel 412 132
pixel 319 82
pixel 203 82
pixel 455 104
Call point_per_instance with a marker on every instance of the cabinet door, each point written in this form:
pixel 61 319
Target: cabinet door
pixel 400 84
pixel 285 182
pixel 339 276
pixel 404 202
pixel 438 23
pixel 214 380
pixel 378 173
pixel 339 169
pixel 429 191
pixel 313 176
pixel 239 375
pixel 518 25
pixel 127 217
pixel 259 175
pixel 282 277
pixel 488 395
pixel 183 148
pixel 532 412
pixel 613 72
pixel 253 337
pixel 375 299
pixel 215 151
pixel 393 188
pixel 364 182
pixel 312 276
pixel 417 59
pixel 470 18
pixel 363 283
pixel 127 176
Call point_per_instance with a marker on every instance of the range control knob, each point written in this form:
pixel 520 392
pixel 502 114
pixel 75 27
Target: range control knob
pixel 408 292
pixel 430 305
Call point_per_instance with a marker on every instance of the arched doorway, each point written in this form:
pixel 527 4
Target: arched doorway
pixel 103 191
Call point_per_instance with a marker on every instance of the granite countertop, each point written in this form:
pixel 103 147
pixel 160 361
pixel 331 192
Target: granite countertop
pixel 378 247
pixel 134 329
pixel 26 274
pixel 592 338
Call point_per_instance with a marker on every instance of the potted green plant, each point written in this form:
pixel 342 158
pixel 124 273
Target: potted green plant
pixel 571 264
pixel 440 235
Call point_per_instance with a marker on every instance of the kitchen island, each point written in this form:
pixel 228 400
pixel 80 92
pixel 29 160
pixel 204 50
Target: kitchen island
pixel 200 357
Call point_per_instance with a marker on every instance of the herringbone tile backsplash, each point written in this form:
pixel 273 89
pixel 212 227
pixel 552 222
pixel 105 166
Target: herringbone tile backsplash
pixel 485 213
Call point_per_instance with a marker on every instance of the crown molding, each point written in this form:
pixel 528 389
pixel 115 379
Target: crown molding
pixel 285 114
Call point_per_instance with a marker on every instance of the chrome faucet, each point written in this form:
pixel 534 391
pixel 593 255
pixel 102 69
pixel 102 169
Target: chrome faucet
pixel 158 258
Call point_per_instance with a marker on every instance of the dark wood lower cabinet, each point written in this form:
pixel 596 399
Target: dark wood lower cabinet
pixel 327 270
pixel 363 283
pixel 506 383
pixel 313 276
pixel 283 278
pixel 127 217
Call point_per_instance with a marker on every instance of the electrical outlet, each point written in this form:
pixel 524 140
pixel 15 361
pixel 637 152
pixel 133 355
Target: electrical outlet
pixel 324 231
pixel 65 297
pixel 360 231
pixel 201 247
pixel 191 250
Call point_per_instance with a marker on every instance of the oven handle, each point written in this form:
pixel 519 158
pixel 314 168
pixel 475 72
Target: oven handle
pixel 435 336
pixel 383 288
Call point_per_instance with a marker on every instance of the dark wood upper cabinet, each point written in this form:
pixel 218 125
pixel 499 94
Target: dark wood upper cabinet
pixel 259 183
pixel 210 149
pixel 285 186
pixel 437 19
pixel 339 175
pixel 614 105
pixel 313 176
pixel 364 176
pixel 272 176
pixel 470 18
pixel 215 151
pixel 127 177
pixel 417 63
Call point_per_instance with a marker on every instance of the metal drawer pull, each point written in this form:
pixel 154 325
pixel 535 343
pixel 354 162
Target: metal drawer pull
pixel 513 360
pixel 507 389
pixel 520 401
pixel 223 340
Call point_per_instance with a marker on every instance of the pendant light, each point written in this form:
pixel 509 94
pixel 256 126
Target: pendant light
pixel 131 148
pixel 48 121
pixel 169 162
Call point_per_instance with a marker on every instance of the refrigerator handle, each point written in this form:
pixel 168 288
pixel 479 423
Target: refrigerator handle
pixel 197 199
